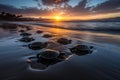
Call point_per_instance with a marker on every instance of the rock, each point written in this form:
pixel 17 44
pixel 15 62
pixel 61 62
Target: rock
pixel 28 28
pixel 47 36
pixel 39 32
pixel 21 30
pixel 48 54
pixel 64 41
pixel 82 49
pixel 25 34
pixel 62 56
pixel 52 55
pixel 46 58
pixel 27 39
pixel 37 45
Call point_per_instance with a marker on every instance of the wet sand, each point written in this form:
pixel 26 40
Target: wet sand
pixel 103 63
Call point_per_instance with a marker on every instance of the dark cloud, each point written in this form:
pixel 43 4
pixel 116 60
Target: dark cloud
pixel 53 2
pixel 108 6
pixel 7 8
pixel 80 9
pixel 23 10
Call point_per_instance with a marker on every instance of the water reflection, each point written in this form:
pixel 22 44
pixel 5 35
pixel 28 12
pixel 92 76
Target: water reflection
pixel 57 31
pixel 7 29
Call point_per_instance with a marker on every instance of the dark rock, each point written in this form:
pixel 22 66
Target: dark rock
pixel 52 55
pixel 21 30
pixel 39 32
pixel 47 36
pixel 62 56
pixel 27 39
pixel 82 49
pixel 64 41
pixel 46 58
pixel 37 45
pixel 28 28
pixel 25 34
pixel 48 54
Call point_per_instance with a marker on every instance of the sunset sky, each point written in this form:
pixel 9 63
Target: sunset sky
pixel 67 9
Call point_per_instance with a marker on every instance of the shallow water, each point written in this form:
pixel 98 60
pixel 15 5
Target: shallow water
pixel 106 27
pixel 103 63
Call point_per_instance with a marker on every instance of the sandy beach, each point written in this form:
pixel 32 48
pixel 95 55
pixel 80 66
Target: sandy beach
pixel 18 61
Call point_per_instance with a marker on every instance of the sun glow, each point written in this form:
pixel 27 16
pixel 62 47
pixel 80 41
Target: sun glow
pixel 58 18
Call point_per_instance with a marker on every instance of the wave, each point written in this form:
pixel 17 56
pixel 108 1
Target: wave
pixel 84 26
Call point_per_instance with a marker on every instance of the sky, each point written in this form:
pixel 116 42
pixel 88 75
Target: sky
pixel 32 3
pixel 80 9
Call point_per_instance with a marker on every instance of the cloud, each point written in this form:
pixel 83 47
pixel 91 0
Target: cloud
pixel 108 6
pixel 82 8
pixel 7 8
pixel 23 10
pixel 53 2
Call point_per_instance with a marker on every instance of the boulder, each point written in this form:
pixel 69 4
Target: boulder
pixel 47 35
pixel 25 34
pixel 39 32
pixel 64 41
pixel 48 54
pixel 22 31
pixel 37 45
pixel 27 39
pixel 81 49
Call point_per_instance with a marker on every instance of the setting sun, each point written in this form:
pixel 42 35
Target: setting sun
pixel 58 18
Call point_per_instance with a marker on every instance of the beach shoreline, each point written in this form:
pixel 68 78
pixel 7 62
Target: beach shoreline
pixel 103 63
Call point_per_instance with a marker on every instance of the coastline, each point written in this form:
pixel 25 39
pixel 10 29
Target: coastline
pixel 102 64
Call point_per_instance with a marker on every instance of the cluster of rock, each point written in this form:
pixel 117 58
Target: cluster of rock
pixel 48 56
